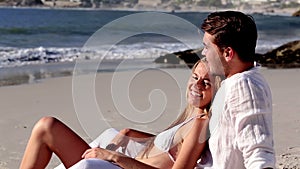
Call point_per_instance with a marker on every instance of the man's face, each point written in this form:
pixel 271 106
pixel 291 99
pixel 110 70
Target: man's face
pixel 214 57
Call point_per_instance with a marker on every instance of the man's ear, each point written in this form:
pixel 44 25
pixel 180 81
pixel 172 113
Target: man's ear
pixel 228 53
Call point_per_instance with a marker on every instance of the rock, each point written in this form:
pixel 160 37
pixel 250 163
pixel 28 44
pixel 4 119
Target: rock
pixel 188 57
pixel 31 2
pixel 285 56
pixel 297 13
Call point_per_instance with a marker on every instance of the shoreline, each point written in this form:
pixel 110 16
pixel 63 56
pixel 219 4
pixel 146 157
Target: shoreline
pixel 29 74
pixel 36 73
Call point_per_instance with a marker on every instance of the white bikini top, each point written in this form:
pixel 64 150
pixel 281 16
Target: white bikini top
pixel 165 140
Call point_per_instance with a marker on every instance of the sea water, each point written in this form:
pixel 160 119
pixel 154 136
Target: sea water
pixel 43 43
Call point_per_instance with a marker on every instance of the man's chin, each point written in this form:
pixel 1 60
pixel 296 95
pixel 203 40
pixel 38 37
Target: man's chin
pixel 216 71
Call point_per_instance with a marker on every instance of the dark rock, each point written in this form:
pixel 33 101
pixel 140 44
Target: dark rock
pixel 170 58
pixel 86 3
pixel 285 56
pixel 188 57
pixel 31 2
pixel 297 13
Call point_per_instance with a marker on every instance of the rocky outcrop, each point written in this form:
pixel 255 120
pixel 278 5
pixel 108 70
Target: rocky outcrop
pixel 31 2
pixel 21 3
pixel 188 57
pixel 297 13
pixel 285 56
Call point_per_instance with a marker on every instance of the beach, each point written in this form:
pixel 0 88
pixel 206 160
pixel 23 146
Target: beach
pixel 22 105
pixel 39 47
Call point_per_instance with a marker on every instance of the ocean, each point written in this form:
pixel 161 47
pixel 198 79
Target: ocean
pixel 41 43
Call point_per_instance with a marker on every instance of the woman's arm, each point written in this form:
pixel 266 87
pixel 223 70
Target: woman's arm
pixel 121 139
pixel 192 145
pixel 135 134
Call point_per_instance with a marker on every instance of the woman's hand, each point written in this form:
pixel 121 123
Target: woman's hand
pixel 117 158
pixel 99 153
pixel 120 140
pixel 123 137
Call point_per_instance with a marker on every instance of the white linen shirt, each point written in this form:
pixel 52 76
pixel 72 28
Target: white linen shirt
pixel 241 124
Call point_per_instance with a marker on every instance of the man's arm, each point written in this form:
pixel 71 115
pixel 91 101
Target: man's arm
pixel 252 121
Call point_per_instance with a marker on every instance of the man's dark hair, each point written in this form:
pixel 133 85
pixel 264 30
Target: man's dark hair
pixel 233 29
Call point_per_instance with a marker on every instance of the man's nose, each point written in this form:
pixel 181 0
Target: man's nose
pixel 203 52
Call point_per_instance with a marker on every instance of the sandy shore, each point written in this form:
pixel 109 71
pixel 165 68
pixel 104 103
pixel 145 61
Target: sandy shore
pixel 23 105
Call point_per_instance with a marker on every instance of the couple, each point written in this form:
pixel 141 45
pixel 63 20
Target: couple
pixel 242 137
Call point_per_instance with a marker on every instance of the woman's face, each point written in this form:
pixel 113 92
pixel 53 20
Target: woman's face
pixel 200 89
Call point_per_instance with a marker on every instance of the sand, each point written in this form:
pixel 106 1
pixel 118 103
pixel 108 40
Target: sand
pixel 22 105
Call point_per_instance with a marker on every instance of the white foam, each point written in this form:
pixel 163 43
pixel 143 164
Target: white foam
pixel 11 57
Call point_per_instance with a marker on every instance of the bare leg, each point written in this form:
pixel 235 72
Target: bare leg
pixel 49 136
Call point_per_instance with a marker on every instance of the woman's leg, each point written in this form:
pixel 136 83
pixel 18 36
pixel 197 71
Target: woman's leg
pixel 49 136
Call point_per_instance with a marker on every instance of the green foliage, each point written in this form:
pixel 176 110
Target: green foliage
pixel 290 5
pixel 132 1
pixel 212 2
pixel 184 1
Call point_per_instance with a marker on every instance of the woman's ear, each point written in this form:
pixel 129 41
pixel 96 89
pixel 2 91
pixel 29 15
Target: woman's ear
pixel 228 53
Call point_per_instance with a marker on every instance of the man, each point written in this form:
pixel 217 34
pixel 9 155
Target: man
pixel 242 137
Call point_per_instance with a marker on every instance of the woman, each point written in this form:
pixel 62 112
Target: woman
pixel 179 146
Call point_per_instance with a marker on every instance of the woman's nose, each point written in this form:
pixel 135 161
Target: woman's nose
pixel 198 85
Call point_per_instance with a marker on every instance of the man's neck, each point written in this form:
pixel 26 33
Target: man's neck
pixel 240 67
